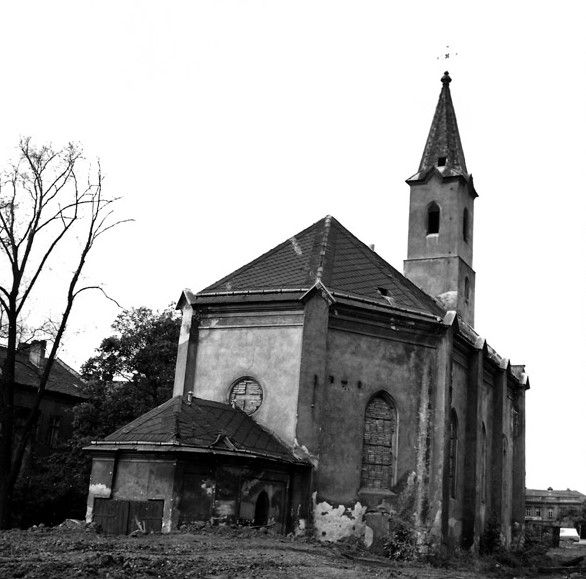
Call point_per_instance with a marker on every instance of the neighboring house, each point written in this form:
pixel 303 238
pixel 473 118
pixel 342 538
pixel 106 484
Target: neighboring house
pixel 546 511
pixel 63 392
pixel 319 386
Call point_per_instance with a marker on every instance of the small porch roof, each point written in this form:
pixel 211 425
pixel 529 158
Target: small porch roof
pixel 199 426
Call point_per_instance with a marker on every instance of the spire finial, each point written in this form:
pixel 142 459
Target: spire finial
pixel 446 80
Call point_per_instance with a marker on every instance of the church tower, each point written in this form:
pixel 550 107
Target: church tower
pixel 441 215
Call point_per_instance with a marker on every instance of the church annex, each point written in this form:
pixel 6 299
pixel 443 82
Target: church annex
pixel 319 388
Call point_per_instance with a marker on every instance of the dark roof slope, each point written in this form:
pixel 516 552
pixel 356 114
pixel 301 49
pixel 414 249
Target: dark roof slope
pixel 202 424
pixel 63 379
pixel 328 253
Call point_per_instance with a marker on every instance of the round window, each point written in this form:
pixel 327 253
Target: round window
pixel 246 394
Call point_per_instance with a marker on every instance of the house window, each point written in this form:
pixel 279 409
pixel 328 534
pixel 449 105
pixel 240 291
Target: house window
pixel 378 453
pixel 54 431
pixel 538 511
pixel 550 513
pixel 453 454
pixel 433 218
pixel 465 224
pixel 527 511
pixel 246 394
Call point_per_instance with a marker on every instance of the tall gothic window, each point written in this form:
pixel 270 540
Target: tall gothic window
pixel 465 224
pixel 433 218
pixel 453 454
pixel 483 461
pixel 505 472
pixel 378 454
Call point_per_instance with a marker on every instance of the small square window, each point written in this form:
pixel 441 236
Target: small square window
pixel 441 161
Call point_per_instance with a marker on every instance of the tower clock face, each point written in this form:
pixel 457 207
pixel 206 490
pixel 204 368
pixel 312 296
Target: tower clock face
pixel 246 394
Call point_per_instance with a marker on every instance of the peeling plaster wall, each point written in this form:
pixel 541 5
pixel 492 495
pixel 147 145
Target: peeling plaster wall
pixel 459 388
pixel 100 483
pixel 335 523
pixel 358 367
pixel 266 347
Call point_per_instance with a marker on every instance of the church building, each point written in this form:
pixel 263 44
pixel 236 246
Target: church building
pixel 317 388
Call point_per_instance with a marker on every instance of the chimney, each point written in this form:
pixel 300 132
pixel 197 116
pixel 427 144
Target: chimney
pixel 36 351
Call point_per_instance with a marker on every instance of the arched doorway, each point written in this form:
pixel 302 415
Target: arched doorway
pixel 261 510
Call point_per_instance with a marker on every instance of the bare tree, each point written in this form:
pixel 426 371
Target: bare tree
pixel 44 206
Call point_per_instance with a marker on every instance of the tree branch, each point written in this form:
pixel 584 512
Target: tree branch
pixel 99 288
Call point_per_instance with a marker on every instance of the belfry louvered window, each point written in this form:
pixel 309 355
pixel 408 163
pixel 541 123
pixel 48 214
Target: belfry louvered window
pixel 378 454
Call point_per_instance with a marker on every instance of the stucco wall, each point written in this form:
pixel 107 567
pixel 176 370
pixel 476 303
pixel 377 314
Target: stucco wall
pixel 265 347
pixel 452 198
pixel 359 366
pixel 459 388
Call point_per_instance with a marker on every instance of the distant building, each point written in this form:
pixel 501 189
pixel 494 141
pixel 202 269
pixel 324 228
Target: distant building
pixel 63 392
pixel 319 386
pixel 548 510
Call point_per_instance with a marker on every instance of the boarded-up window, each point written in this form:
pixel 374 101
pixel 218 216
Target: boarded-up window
pixel 246 394
pixel 378 458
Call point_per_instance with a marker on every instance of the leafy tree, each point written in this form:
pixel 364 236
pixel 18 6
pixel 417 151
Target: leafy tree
pixel 132 372
pixel 49 205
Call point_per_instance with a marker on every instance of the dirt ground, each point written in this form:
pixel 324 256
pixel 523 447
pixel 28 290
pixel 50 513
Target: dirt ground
pixel 220 553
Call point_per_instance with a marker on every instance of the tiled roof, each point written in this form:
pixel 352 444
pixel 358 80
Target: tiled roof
pixel 559 494
pixel 63 379
pixel 328 253
pixel 443 140
pixel 203 424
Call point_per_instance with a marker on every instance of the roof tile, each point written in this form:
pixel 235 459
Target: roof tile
pixel 327 252
pixel 199 425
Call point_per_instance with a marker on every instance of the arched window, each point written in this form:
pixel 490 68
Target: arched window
pixel 433 218
pixel 466 289
pixel 505 472
pixel 483 461
pixel 465 224
pixel 453 454
pixel 378 453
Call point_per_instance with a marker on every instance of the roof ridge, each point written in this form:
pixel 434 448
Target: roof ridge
pixel 323 248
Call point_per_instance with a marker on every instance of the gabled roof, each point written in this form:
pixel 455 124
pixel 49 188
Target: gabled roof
pixel 63 379
pixel 326 254
pixel 201 424
pixel 443 141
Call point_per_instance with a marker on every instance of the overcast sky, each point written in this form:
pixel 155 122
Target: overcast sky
pixel 230 126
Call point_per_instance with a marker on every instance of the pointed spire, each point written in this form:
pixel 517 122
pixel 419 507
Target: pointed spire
pixel 443 149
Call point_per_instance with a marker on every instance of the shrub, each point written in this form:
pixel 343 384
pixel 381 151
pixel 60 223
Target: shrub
pixel 401 544
pixel 490 540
